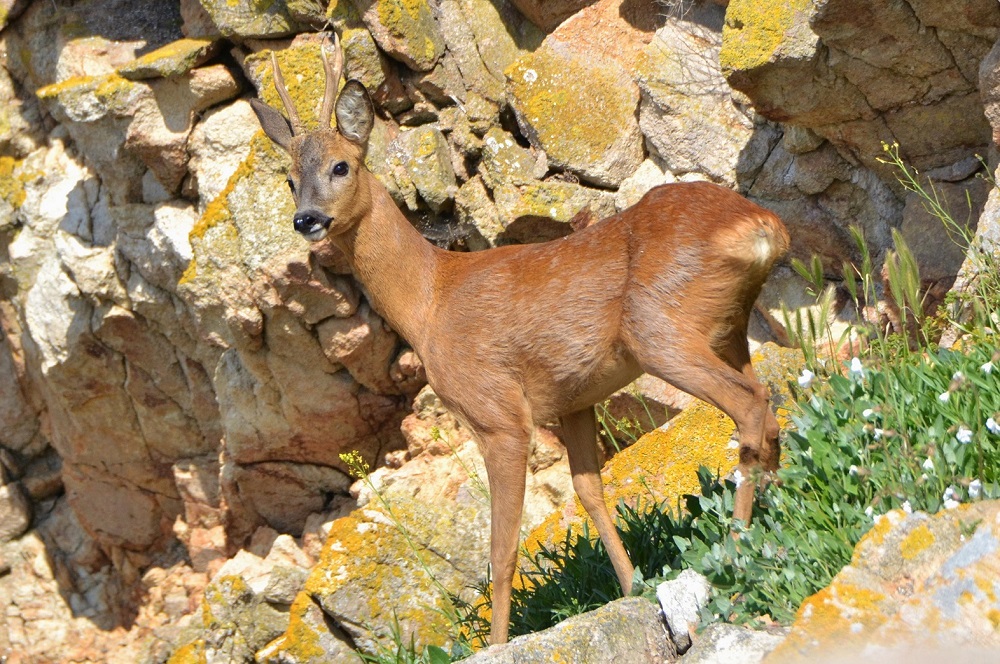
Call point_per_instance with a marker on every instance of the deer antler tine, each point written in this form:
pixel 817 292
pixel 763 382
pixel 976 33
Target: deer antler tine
pixel 333 71
pixel 279 86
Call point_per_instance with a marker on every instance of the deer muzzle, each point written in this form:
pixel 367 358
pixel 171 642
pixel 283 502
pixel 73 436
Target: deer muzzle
pixel 312 225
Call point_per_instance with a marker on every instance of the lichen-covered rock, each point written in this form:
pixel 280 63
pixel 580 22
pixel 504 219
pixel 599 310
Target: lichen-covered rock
pixel 542 211
pixel 858 73
pixel 505 162
pixel 241 19
pixel 688 114
pixel 916 584
pixel 218 144
pixel 722 643
pixel 427 159
pixel 174 59
pixel 405 30
pixel 626 630
pixel 556 82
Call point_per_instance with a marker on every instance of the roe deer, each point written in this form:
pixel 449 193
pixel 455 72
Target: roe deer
pixel 521 335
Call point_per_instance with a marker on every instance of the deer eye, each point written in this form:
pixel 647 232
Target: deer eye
pixel 340 169
pixel 291 185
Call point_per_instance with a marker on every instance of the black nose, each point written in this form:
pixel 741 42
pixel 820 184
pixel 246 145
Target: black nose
pixel 305 222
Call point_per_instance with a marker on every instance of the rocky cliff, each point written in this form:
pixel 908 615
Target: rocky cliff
pixel 180 373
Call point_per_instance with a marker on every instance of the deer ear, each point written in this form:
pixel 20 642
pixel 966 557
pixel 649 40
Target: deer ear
pixel 355 113
pixel 274 124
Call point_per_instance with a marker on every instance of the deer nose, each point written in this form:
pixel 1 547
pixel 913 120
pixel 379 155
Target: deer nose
pixel 305 222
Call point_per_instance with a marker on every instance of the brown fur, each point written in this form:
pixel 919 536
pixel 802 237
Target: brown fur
pixel 521 335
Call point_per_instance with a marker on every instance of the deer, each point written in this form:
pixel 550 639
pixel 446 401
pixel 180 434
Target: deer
pixel 518 336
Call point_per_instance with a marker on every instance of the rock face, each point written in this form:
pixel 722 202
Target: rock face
pixel 916 585
pixel 179 370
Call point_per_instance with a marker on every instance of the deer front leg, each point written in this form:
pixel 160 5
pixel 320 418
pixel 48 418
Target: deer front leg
pixel 580 438
pixel 506 457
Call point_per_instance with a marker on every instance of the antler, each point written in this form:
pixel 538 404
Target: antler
pixel 333 71
pixel 279 86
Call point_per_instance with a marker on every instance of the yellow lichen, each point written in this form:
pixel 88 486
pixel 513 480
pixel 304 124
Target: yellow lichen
pixel 841 614
pixel 192 653
pixel 11 182
pixel 173 59
pixel 304 76
pixel 546 94
pixel 916 542
pixel 754 31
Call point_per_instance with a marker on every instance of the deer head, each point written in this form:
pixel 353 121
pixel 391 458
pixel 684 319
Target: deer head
pixel 326 163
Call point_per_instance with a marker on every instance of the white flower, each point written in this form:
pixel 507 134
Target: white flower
pixel 951 504
pixel 964 435
pixel 958 375
pixel 738 478
pixel 907 507
pixel 869 511
pixel 806 378
pixel 733 444
pixel 944 396
pixel 853 470
pixel 877 433
pixel 928 464
pixel 923 476
pixel 987 368
pixel 949 494
pixel 993 426
pixel 867 412
pixel 975 488
pixel 856 368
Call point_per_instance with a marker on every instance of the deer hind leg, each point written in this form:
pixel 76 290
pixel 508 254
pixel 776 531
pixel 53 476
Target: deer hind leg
pixel 701 373
pixel 580 438
pixel 737 355
pixel 506 457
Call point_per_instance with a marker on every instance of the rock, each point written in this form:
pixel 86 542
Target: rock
pixel 858 75
pixel 544 210
pixel 237 623
pixel 915 585
pixel 241 19
pixel 15 511
pixel 475 209
pixel 406 30
pixel 649 174
pixel 217 145
pixel 309 639
pixel 556 82
pixel 364 344
pixel 506 162
pixel 547 15
pixel 678 91
pixel 645 404
pixel 427 159
pixel 682 600
pixel 963 201
pixel 721 643
pixel 174 59
pixel 626 630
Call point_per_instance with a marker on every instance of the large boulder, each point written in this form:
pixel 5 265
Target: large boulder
pixel 626 630
pixel 557 82
pixel 918 586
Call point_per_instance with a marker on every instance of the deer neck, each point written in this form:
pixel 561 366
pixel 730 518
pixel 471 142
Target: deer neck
pixel 393 261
